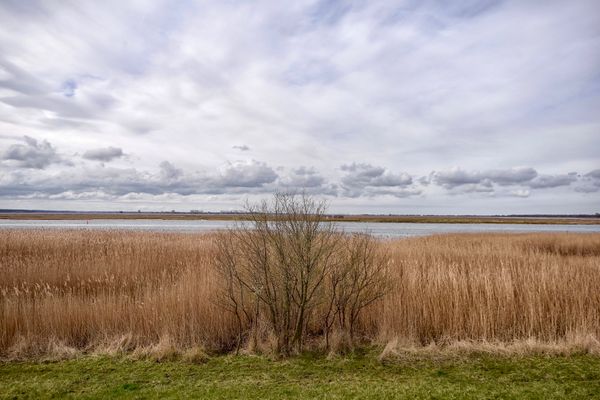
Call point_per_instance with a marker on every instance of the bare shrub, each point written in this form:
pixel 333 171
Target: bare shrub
pixel 359 278
pixel 276 267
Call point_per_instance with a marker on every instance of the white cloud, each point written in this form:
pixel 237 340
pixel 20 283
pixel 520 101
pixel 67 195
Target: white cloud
pixel 414 87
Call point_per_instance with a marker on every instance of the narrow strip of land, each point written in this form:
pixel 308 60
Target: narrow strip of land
pixel 432 219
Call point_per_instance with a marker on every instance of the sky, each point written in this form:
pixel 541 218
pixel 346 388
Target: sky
pixel 404 107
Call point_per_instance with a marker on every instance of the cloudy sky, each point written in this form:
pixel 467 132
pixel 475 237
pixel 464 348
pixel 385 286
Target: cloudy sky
pixel 416 107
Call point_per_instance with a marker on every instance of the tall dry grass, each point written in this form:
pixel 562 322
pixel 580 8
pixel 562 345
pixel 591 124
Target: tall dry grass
pixel 495 287
pixel 91 289
pixel 70 291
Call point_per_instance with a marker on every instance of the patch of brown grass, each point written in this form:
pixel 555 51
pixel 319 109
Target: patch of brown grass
pixel 493 287
pixel 153 294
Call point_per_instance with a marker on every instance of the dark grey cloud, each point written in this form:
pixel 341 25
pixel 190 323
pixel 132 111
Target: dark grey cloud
pixel 104 154
pixel 363 175
pixel 252 174
pixel 31 154
pixel 483 179
pixel 254 177
pixel 169 172
pixel 589 183
pixel 485 186
pixel 234 178
pixel 594 174
pixel 103 180
pixel 552 181
pixel 302 178
pixel 456 177
pixel 366 180
pixel 511 176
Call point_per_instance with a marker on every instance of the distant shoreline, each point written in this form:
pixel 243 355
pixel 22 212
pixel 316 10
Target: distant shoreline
pixel 433 219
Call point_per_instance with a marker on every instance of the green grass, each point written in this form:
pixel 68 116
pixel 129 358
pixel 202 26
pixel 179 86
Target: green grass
pixel 358 376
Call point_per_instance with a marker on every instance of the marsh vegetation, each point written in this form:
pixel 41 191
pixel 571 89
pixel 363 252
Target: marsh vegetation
pixel 67 292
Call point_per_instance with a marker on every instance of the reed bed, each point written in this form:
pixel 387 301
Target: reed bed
pixel 67 292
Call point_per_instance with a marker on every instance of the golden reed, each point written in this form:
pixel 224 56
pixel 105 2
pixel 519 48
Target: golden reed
pixel 112 291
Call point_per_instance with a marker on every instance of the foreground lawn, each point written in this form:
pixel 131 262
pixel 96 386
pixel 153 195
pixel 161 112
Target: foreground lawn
pixel 358 376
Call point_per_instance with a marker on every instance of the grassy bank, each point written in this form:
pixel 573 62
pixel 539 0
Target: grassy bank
pixel 307 376
pixel 89 291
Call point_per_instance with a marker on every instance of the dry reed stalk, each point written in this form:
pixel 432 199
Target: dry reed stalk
pixel 115 291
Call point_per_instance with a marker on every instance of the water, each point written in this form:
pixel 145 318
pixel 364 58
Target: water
pixel 378 229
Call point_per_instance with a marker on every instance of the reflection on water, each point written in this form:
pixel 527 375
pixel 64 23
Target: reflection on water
pixel 378 229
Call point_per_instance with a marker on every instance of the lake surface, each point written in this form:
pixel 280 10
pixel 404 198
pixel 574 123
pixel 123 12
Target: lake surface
pixel 386 229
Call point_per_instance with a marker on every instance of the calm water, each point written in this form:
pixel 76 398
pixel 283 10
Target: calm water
pixel 378 229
